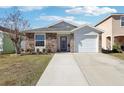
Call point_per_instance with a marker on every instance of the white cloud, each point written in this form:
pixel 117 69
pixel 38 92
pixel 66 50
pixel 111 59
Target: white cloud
pixel 52 18
pixel 77 10
pixel 66 6
pixel 29 8
pixel 91 10
pixel 66 18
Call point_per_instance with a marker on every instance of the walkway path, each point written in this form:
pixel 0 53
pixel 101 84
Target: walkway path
pixel 62 70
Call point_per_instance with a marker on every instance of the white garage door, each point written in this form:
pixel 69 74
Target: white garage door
pixel 88 43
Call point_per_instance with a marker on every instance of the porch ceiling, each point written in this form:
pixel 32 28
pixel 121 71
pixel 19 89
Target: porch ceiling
pixel 121 35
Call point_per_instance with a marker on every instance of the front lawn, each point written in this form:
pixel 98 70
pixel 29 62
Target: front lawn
pixel 22 70
pixel 119 55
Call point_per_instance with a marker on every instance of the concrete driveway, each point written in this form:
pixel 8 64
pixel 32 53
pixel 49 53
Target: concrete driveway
pixel 101 69
pixel 83 69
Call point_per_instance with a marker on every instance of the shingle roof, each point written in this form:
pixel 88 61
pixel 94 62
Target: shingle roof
pixel 7 30
pixel 55 28
pixel 52 29
pixel 4 29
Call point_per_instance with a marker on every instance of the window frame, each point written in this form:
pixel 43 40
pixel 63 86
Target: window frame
pixel 40 40
pixel 121 21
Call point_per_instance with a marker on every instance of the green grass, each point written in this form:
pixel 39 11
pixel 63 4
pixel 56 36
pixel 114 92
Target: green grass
pixel 118 55
pixel 22 70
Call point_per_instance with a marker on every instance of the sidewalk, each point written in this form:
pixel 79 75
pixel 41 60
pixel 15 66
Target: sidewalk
pixel 62 70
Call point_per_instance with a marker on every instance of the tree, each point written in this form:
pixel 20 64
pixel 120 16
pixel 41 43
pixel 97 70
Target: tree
pixel 15 23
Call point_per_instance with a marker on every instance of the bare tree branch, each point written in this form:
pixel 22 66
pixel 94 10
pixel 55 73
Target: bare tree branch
pixel 15 23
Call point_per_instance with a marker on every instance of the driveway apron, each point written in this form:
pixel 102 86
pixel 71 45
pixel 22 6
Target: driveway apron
pixel 62 70
pixel 101 69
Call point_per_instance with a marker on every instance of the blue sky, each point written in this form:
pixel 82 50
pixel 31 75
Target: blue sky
pixel 40 16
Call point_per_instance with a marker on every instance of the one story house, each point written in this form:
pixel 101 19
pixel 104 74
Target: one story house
pixel 6 44
pixel 64 36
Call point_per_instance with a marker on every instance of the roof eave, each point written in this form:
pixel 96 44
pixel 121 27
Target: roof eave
pixel 47 32
pixel 103 20
pixel 97 29
pixel 108 18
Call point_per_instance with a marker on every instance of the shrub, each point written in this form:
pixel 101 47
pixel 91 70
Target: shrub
pixel 116 48
pixel 30 51
pixel 38 51
pixel 49 50
pixel 106 51
pixel 22 50
pixel 44 51
pixel 8 45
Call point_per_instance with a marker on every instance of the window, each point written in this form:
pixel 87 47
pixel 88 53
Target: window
pixel 122 21
pixel 39 40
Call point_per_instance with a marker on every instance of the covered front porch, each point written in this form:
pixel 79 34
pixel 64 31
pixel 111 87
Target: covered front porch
pixel 59 42
pixel 50 41
pixel 120 41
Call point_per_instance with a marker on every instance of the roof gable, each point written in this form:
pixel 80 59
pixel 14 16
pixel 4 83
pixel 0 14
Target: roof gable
pixel 90 27
pixel 63 24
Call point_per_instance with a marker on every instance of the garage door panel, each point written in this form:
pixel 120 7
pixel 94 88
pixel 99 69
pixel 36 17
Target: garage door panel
pixel 87 43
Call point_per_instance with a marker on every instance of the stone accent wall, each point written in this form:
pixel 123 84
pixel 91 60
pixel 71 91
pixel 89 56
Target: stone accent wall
pixel 72 43
pixel 29 41
pixel 51 42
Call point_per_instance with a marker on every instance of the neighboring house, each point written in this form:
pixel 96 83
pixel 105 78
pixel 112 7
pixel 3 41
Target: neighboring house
pixel 113 27
pixel 6 45
pixel 64 36
pixel 1 41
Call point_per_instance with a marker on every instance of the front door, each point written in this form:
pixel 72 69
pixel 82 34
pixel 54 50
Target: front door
pixel 63 43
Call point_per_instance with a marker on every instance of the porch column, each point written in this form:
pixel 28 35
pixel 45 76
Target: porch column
pixel 100 42
pixel 112 42
pixel 72 43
